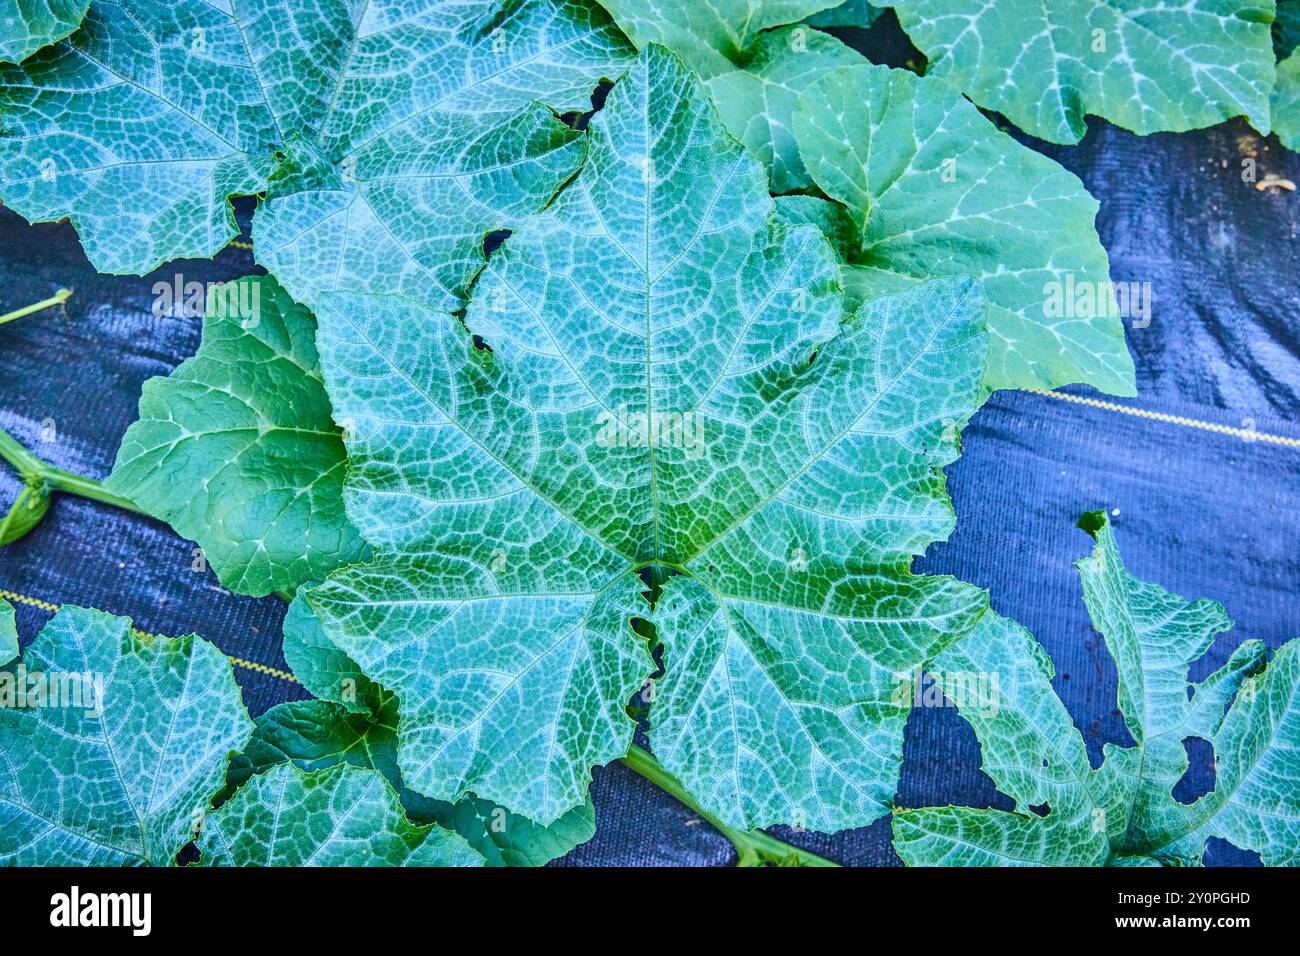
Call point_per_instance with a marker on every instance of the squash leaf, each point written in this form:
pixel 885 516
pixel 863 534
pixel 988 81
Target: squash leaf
pixel 317 734
pixel 653 376
pixel 236 448
pixel 28 25
pixel 931 187
pixel 711 38
pixel 343 816
pixel 321 667
pixel 757 101
pixel 754 71
pixel 1146 66
pixel 8 633
pixel 1124 812
pixel 119 767
pixel 398 133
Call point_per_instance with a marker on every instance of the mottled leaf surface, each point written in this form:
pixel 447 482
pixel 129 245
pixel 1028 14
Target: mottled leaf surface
pixel 1145 65
pixel 137 128
pixel 317 734
pixel 8 633
pixel 343 816
pixel 793 470
pixel 1033 753
pixel 408 130
pixel 1256 804
pixel 436 136
pixel 321 667
pixel 236 448
pixel 933 188
pixel 124 781
pixel 28 25
pixel 1124 812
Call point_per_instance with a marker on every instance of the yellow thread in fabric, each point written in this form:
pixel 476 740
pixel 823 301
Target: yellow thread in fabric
pixel 1245 434
pixel 17 598
pixel 24 599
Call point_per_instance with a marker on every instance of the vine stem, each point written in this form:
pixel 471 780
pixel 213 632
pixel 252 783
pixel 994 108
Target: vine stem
pixel 33 470
pixel 58 298
pixel 753 847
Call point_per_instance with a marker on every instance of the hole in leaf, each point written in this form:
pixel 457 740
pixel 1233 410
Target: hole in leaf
pixel 492 241
pixel 1219 852
pixel 481 344
pixel 188 854
pixel 579 121
pixel 1041 809
pixel 1198 780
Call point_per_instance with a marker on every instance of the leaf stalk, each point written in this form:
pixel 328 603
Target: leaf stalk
pixel 40 478
pixel 58 298
pixel 753 847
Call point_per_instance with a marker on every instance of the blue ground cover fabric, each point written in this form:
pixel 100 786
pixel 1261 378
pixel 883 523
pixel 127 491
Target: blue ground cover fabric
pixel 1202 512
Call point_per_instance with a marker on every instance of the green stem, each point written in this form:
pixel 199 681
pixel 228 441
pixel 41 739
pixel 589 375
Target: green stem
pixel 58 298
pixel 753 847
pixel 35 469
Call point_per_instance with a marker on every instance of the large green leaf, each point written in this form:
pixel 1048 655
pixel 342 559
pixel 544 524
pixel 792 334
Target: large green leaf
pixel 757 101
pixel 754 73
pixel 713 37
pixel 236 448
pixel 410 131
pixel 343 816
pixel 316 734
pixel 1124 812
pixel 28 25
pixel 125 780
pixel 933 188
pixel 1145 65
pixel 793 471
